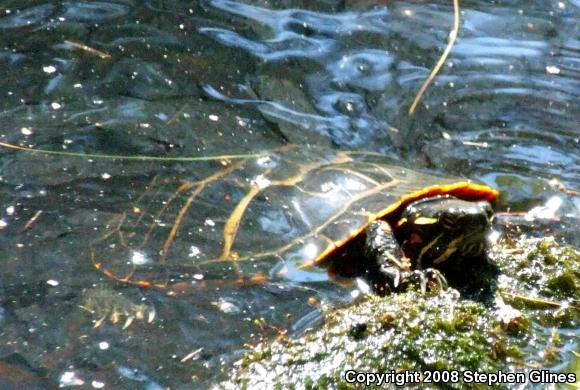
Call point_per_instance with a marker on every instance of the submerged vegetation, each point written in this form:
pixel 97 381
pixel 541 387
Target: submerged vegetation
pixel 527 325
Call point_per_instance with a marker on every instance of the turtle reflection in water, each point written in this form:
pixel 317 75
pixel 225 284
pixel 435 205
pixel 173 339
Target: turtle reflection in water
pixel 278 213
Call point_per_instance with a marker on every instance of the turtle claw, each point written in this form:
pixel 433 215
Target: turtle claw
pixel 392 279
pixel 386 279
pixel 396 277
pixel 427 277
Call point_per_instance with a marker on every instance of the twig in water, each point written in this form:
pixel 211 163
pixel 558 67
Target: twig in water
pixel 80 46
pixel 31 221
pixel 452 37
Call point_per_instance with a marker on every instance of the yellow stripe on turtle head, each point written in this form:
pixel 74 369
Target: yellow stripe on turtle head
pixel 425 221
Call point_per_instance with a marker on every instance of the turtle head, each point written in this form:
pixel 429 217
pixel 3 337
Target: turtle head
pixel 443 230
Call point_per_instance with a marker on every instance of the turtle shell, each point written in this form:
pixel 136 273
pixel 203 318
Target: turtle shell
pixel 274 213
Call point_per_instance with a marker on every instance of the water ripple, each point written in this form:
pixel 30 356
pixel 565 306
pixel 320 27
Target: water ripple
pixel 26 17
pixel 95 11
pixel 284 46
pixel 307 22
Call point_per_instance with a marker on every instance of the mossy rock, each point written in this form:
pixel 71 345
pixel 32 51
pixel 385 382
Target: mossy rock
pixel 536 297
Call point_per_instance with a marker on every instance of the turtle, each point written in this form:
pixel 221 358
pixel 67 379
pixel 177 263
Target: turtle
pixel 278 214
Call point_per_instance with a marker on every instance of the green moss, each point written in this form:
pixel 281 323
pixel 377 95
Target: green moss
pixel 541 265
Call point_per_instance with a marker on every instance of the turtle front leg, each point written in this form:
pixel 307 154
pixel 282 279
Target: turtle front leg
pixel 388 270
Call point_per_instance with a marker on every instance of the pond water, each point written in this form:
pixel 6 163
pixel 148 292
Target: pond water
pixel 175 79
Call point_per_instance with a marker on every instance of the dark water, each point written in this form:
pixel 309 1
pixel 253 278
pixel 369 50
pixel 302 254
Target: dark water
pixel 177 78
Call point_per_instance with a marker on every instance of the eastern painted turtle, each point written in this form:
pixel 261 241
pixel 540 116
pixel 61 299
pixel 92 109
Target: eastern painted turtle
pixel 281 211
